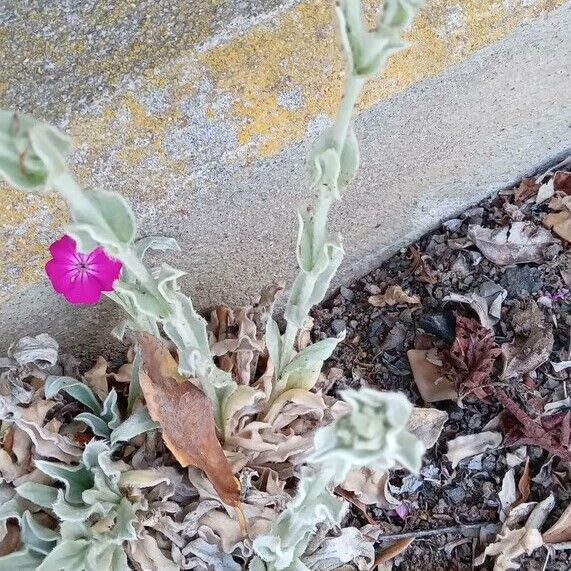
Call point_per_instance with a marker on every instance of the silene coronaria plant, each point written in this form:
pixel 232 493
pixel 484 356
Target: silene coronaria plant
pixel 268 456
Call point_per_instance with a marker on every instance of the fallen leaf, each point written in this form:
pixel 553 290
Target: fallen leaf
pixel 513 543
pixel 96 378
pixel 526 189
pixel 393 295
pixel 560 531
pixel 552 433
pixel 472 445
pixel 523 485
pixel 519 243
pixel 427 424
pixel 370 487
pixel 420 268
pixel 560 221
pixel 507 494
pixel 393 550
pixel 532 345
pixel 486 302
pixel 562 182
pixel 185 415
pixel 432 385
pixel 470 360
pixel 545 192
pixel 9 543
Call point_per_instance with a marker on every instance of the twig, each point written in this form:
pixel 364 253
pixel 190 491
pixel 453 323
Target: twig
pixel 436 531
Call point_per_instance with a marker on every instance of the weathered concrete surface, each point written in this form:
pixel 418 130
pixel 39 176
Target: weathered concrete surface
pixel 209 145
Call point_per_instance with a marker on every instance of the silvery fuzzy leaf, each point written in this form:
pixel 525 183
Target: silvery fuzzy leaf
pixel 273 342
pixel 32 153
pixel 41 350
pixel 367 51
pixel 313 356
pixel 155 243
pixel 75 513
pixel 94 452
pixel 36 536
pixel 103 218
pixel 76 479
pixel 74 388
pixel 110 412
pixel 106 555
pixel 138 423
pixel 66 555
pixel 373 434
pixel 39 494
pixel 135 384
pixel 139 301
pixel 142 478
pixel 124 529
pixel 23 560
pixel 97 425
pixel 346 165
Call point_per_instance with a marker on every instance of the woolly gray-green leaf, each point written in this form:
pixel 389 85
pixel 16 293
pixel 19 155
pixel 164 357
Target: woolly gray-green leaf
pixel 98 426
pixel 75 479
pixel 74 388
pixel 22 560
pixel 66 555
pixel 135 384
pixel 273 341
pixel 36 536
pixel 110 412
pixel 32 153
pixel 39 494
pixel 138 423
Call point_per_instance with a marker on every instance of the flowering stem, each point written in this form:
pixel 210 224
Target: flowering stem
pixel 76 199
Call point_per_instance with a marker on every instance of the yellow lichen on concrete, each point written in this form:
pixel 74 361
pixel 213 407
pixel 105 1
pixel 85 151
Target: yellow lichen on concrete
pixel 248 97
pixel 299 52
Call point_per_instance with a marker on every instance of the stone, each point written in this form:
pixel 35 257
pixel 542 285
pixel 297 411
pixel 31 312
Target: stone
pixel 338 325
pixel 521 280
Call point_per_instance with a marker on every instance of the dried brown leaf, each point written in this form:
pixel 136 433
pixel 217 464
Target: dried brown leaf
pixel 523 485
pixel 96 378
pixel 185 415
pixel 393 550
pixel 429 378
pixel 560 222
pixel 9 543
pixel 393 295
pixel 526 189
pixel 560 531
pixel 472 445
pixel 519 243
pixel 470 360
pixel 532 345
pixel 562 182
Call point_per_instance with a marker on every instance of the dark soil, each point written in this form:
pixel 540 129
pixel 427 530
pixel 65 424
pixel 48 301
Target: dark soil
pixel 374 354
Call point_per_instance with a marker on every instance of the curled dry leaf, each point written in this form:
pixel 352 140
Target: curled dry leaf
pixel 532 345
pixel 560 531
pixel 486 302
pixel 523 485
pixel 471 445
pixel 519 243
pixel 427 424
pixel 560 220
pixel 507 494
pixel 96 378
pixel 370 487
pixel 185 415
pixel 512 543
pixel 429 378
pixel 526 189
pixel 394 295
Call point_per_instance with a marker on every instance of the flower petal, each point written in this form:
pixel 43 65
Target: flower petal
pixel 84 289
pixel 104 268
pixel 63 249
pixel 60 274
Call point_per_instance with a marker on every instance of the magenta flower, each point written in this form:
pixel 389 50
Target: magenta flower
pixel 81 277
